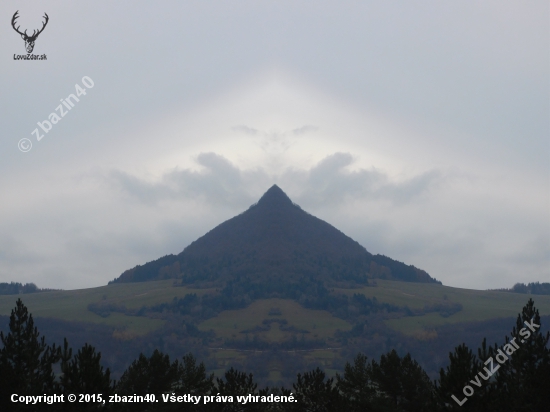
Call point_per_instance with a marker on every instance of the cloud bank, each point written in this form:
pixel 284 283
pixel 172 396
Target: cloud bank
pixel 327 183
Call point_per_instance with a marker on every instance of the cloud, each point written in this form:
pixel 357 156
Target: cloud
pixel 245 129
pixel 255 132
pixel 275 141
pixel 327 182
pixel 219 182
pixel 331 182
pixel 304 129
pixel 405 191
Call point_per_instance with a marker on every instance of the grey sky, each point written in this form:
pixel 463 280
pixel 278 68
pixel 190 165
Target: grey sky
pixel 421 129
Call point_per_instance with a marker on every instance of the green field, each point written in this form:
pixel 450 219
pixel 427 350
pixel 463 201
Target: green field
pixel 72 305
pixel 478 305
pixel 316 324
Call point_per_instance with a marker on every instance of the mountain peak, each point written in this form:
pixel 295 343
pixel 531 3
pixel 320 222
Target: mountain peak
pixel 275 241
pixel 275 197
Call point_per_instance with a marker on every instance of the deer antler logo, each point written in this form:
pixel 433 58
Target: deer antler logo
pixel 29 40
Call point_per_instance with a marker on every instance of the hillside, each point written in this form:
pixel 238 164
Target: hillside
pixel 125 319
pixel 275 241
pixel 72 305
pixel 275 281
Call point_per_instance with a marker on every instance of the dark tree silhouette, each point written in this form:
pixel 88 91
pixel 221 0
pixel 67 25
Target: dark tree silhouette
pixel 234 384
pixel 315 394
pixel 26 361
pixel 153 375
pixel 523 379
pixel 403 382
pixel 356 386
pixel 464 366
pixel 83 374
pixel 192 378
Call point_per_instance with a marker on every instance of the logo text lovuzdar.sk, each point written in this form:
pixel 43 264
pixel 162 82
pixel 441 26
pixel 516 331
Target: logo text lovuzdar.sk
pixel 29 39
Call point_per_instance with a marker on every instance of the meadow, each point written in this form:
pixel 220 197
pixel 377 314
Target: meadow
pixel 477 305
pixel 320 324
pixel 72 305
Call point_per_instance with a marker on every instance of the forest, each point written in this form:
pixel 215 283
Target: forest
pixel 512 376
pixel 534 288
pixel 16 288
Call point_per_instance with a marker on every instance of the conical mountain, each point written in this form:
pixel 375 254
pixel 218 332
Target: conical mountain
pixel 275 240
pixel 277 230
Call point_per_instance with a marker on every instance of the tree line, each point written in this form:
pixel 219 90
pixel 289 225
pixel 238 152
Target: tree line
pixel 238 293
pixel 533 288
pixel 16 288
pixel 512 377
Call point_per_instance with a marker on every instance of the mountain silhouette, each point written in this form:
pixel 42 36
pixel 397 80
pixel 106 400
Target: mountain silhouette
pixel 275 240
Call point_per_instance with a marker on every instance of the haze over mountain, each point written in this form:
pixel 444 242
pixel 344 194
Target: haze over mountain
pixel 275 240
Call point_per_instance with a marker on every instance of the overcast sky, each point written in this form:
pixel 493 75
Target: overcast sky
pixel 421 129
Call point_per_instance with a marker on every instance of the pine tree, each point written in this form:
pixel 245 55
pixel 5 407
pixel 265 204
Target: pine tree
pixel 404 383
pixel 26 361
pixel 356 386
pixel 83 374
pixel 234 384
pixel 153 375
pixel 464 366
pixel 192 378
pixel 523 379
pixel 315 394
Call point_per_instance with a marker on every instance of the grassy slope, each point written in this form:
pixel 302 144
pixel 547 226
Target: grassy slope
pixel 231 323
pixel 72 305
pixel 477 304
